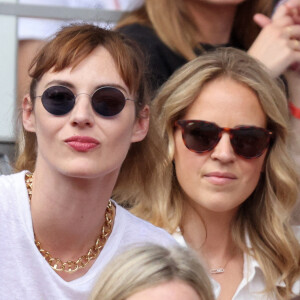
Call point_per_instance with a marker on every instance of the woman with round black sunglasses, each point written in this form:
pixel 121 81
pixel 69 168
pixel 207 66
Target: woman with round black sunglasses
pixel 229 185
pixel 58 225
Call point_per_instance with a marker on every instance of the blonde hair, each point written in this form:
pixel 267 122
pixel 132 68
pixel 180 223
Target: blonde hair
pixel 147 266
pixel 265 216
pixel 174 26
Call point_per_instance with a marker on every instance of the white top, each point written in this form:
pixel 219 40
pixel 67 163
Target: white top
pixel 25 274
pixel 39 29
pixel 252 284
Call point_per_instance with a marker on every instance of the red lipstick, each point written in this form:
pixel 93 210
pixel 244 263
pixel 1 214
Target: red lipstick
pixel 82 143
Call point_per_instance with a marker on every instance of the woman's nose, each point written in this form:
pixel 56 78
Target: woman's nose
pixel 82 114
pixel 223 150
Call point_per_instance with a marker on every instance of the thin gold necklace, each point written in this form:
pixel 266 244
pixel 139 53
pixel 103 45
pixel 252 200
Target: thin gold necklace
pixel 218 270
pixel 221 270
pixel 71 266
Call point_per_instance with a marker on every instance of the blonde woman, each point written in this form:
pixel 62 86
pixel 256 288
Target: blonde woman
pixel 154 272
pixel 88 105
pixel 174 32
pixel 228 186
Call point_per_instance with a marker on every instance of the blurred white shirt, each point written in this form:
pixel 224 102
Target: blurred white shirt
pixel 39 29
pixel 253 282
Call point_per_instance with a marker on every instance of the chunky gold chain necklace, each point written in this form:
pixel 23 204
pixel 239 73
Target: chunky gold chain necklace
pixel 72 265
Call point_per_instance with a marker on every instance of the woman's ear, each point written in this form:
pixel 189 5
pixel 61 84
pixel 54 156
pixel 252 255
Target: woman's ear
pixel 141 125
pixel 28 114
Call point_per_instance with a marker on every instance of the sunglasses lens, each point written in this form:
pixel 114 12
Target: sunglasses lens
pixel 58 100
pixel 108 101
pixel 249 142
pixel 199 136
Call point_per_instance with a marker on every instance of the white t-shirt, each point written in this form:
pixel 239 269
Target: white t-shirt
pixel 253 282
pixel 25 274
pixel 40 29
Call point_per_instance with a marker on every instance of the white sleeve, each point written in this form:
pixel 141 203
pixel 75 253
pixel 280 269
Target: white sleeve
pixel 39 29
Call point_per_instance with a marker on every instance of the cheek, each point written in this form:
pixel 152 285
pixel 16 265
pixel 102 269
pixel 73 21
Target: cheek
pixel 118 139
pixel 187 164
pixel 47 126
pixel 257 166
pixel 252 173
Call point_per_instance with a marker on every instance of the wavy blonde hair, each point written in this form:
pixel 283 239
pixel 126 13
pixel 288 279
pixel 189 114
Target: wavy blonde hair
pixel 150 265
pixel 265 215
pixel 174 26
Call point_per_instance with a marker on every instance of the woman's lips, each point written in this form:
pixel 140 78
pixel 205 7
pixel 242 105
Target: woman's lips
pixel 82 143
pixel 220 178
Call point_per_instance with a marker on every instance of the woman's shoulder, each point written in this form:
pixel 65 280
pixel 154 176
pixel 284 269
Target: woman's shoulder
pixel 12 192
pixel 125 216
pixel 7 181
pixel 141 229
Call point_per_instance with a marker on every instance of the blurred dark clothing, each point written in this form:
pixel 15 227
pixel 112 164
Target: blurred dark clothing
pixel 161 60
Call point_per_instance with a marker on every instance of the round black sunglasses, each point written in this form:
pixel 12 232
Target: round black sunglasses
pixel 106 101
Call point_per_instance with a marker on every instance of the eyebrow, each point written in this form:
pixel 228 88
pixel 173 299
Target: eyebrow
pixel 60 82
pixel 71 86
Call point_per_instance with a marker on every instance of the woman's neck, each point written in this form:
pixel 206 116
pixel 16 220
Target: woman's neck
pixel 68 212
pixel 213 21
pixel 209 233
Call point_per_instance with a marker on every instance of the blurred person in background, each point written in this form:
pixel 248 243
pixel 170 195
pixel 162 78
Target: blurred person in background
pixel 154 272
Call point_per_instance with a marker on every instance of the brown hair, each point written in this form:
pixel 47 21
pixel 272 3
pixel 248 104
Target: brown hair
pixel 70 46
pixel 174 26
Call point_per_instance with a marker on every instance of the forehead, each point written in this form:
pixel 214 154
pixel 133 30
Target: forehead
pixel 97 69
pixel 228 103
pixel 172 290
